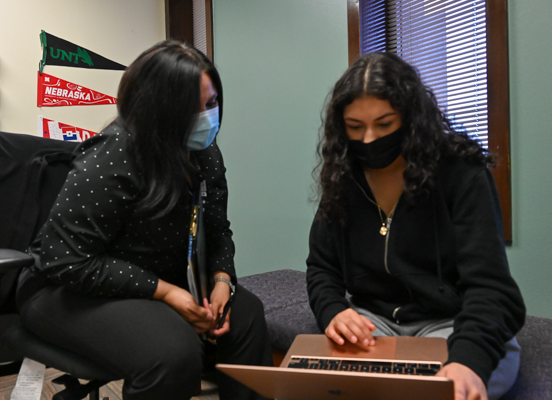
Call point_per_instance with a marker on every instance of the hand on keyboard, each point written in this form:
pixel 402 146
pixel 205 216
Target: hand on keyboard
pixel 352 326
pixel 467 384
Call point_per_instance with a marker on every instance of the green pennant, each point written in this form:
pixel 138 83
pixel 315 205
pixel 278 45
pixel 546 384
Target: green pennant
pixel 57 51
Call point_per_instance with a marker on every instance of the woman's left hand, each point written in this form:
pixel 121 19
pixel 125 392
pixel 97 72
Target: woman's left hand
pixel 219 297
pixel 467 384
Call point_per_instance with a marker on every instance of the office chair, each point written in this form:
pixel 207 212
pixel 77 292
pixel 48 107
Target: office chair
pixel 32 171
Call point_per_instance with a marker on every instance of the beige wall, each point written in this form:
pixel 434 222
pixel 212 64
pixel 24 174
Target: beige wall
pixel 116 29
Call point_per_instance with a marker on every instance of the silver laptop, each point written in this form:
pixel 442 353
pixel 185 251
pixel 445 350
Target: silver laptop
pixel 316 368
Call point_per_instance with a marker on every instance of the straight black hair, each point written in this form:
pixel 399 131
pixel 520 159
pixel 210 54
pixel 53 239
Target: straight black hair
pixel 158 102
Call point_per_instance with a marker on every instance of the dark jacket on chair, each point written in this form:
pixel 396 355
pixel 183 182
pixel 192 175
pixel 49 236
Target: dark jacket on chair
pixel 32 171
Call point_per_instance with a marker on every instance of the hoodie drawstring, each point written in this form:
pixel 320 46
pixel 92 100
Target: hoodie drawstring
pixel 437 253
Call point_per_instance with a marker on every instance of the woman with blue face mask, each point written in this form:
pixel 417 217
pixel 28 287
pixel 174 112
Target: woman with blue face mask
pixel 110 271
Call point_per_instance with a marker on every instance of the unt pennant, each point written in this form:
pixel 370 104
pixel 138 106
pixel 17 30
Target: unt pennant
pixel 54 91
pixel 60 131
pixel 57 51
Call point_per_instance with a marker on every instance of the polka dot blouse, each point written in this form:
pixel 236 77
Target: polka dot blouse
pixel 95 242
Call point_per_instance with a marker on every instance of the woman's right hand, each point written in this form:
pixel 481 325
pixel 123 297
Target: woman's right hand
pixel 201 318
pixel 352 326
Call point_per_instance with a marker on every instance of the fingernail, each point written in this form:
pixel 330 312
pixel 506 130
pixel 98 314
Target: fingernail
pixel 354 339
pixel 366 342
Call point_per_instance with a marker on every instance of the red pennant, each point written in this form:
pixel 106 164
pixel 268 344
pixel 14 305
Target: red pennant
pixel 58 130
pixel 54 91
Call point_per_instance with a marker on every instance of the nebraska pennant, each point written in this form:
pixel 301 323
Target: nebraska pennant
pixel 57 51
pixel 54 91
pixel 57 130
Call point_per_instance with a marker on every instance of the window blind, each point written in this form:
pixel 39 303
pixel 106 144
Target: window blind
pixel 446 41
pixel 200 25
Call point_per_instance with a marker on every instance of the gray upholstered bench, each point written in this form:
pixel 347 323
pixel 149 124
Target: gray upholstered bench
pixel 287 312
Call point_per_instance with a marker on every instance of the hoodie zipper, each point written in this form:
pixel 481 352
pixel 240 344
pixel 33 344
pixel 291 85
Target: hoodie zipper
pixel 388 226
pixel 387 244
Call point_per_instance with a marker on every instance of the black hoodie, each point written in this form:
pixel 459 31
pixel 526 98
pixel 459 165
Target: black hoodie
pixel 443 257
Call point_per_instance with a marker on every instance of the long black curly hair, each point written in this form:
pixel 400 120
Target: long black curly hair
pixel 430 137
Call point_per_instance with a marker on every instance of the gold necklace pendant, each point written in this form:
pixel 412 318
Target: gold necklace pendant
pixel 383 230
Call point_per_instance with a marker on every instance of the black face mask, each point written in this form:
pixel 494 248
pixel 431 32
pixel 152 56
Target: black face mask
pixel 381 152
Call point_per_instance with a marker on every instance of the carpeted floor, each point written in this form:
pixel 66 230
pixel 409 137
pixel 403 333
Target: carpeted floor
pixel 112 390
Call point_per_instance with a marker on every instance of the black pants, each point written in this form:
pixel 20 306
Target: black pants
pixel 146 343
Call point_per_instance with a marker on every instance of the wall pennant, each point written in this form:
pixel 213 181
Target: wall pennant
pixel 54 91
pixel 57 51
pixel 60 131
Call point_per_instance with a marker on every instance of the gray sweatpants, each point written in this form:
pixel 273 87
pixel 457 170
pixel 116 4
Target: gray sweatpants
pixel 502 378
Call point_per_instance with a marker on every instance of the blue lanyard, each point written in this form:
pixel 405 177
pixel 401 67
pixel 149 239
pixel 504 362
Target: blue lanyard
pixel 193 228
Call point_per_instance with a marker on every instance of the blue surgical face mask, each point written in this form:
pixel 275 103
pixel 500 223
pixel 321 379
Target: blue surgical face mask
pixel 205 130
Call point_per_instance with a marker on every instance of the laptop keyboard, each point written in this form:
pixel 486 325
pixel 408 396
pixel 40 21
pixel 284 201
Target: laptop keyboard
pixel 376 366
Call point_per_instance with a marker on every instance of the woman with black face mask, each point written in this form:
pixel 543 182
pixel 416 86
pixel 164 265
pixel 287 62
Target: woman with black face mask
pixel 409 224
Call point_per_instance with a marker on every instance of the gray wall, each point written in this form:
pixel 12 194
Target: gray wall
pixel 278 60
pixel 531 142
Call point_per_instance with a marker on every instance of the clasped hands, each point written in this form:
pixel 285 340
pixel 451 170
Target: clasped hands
pixel 204 318
pixel 357 329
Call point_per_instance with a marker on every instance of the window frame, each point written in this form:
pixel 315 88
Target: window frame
pixel 498 94
pixel 179 22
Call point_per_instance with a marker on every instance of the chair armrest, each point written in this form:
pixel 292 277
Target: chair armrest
pixel 12 259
